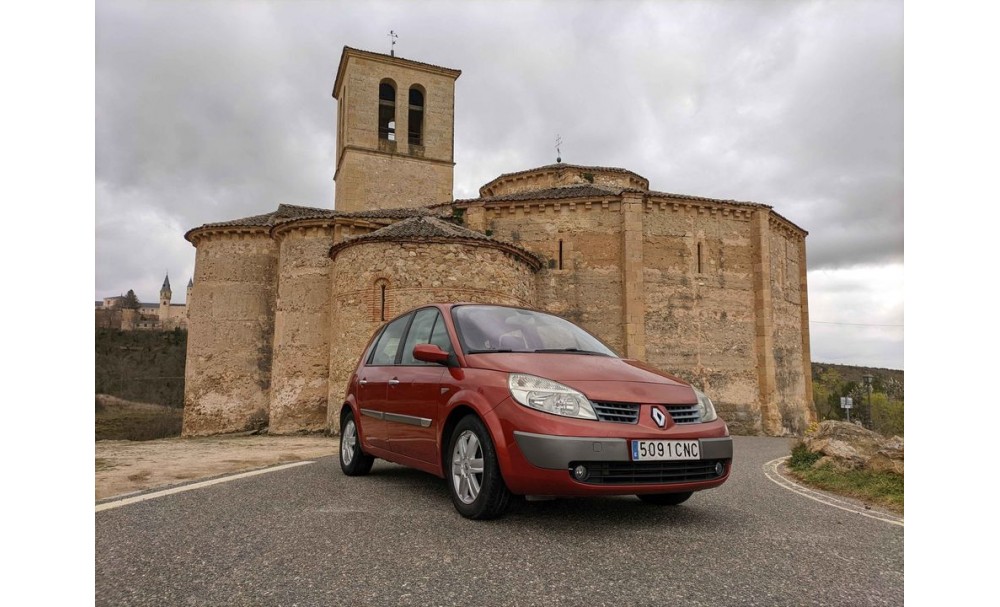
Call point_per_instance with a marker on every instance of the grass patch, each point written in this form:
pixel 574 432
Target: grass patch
pixel 882 488
pixel 101 463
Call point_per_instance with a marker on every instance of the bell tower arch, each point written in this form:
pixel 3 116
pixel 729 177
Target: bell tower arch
pixel 395 132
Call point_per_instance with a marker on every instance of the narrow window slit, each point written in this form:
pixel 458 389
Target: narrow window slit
pixel 382 309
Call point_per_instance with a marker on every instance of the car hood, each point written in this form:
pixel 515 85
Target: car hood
pixel 600 378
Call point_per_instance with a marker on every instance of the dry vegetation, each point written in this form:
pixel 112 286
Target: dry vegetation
pixel 119 419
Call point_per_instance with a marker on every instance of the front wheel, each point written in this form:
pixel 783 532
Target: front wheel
pixel 666 499
pixel 353 461
pixel 476 486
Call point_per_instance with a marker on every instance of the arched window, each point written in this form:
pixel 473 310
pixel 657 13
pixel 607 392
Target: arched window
pixel 416 116
pixel 387 110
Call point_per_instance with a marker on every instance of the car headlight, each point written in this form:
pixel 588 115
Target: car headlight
pixel 549 396
pixel 705 407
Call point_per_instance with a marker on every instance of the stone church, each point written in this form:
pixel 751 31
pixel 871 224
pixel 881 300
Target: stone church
pixel 284 301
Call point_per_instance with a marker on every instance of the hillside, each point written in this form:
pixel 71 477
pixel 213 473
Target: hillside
pixel 881 411
pixel 852 373
pixel 142 366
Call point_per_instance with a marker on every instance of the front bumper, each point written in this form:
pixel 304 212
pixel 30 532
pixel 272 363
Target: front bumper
pixel 538 451
pixel 557 452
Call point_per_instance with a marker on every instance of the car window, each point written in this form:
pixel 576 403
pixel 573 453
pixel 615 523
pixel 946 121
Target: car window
pixel 388 342
pixel 420 333
pixel 484 328
pixel 439 337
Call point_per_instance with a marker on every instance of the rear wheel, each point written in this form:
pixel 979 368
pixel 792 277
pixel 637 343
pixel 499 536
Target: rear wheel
pixel 666 499
pixel 353 461
pixel 474 480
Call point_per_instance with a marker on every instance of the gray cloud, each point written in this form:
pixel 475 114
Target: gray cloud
pixel 214 110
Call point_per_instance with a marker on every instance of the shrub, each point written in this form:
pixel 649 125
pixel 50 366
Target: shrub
pixel 802 457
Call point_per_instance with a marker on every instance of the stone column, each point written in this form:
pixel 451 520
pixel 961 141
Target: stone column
pixel 301 329
pixel 810 408
pixel 633 288
pixel 764 322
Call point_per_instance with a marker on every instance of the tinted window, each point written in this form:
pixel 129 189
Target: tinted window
pixel 388 342
pixel 420 333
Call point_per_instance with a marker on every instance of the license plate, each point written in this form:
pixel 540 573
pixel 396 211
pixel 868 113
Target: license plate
pixel 659 450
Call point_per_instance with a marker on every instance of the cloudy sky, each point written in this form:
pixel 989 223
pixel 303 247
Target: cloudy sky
pixel 210 111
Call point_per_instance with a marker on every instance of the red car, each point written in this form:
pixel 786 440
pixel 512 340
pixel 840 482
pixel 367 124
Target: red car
pixel 500 400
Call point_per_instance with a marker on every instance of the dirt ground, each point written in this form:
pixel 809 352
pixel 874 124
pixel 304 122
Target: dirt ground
pixel 127 466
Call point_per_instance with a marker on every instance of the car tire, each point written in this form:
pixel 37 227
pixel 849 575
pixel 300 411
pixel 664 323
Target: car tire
pixel 353 461
pixel 666 499
pixel 477 490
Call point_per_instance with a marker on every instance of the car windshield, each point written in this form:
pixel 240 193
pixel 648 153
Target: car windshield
pixel 499 329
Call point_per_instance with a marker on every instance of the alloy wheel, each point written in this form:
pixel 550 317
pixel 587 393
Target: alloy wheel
pixel 348 440
pixel 467 467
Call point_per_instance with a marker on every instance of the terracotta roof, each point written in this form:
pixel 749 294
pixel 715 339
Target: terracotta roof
pixel 382 56
pixel 563 165
pixel 434 229
pixel 424 227
pixel 705 199
pixel 570 191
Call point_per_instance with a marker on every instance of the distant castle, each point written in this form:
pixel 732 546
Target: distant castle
pixel 165 316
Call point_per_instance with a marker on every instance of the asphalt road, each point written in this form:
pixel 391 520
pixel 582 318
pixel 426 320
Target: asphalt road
pixel 311 536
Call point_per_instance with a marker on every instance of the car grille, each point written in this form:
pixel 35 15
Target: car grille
pixel 684 414
pixel 628 413
pixel 625 413
pixel 649 473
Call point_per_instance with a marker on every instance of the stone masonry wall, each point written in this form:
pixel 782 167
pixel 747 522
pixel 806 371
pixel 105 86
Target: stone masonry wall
pixel 791 390
pixel 588 288
pixel 301 331
pixel 370 180
pixel 414 274
pixel 700 324
pixel 231 320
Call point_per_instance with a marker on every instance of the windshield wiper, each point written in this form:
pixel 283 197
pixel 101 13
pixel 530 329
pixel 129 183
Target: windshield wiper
pixel 571 351
pixel 487 351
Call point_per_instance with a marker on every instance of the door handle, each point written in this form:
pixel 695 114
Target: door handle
pixel 393 381
pixel 363 381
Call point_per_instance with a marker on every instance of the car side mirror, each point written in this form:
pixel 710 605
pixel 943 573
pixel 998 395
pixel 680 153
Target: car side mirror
pixel 429 353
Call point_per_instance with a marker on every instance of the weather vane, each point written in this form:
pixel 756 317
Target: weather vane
pixel 558 143
pixel 392 36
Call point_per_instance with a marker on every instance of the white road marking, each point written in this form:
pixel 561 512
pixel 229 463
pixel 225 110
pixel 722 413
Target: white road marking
pixel 215 481
pixel 771 472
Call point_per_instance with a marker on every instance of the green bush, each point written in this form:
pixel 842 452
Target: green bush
pixel 802 457
pixel 887 415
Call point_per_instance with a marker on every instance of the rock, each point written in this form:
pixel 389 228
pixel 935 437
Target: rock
pixel 889 458
pixel 848 446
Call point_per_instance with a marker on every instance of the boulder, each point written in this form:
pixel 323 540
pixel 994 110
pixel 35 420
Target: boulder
pixel 849 446
pixel 889 458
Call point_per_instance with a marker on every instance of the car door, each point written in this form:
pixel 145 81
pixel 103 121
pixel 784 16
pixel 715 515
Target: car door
pixel 414 403
pixel 373 382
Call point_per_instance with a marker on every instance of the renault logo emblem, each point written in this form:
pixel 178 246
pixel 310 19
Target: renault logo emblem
pixel 659 417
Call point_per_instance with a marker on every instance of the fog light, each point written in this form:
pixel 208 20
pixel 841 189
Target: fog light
pixel 580 473
pixel 719 468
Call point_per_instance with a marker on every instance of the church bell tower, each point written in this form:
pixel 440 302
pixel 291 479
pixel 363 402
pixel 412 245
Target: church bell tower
pixel 395 132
